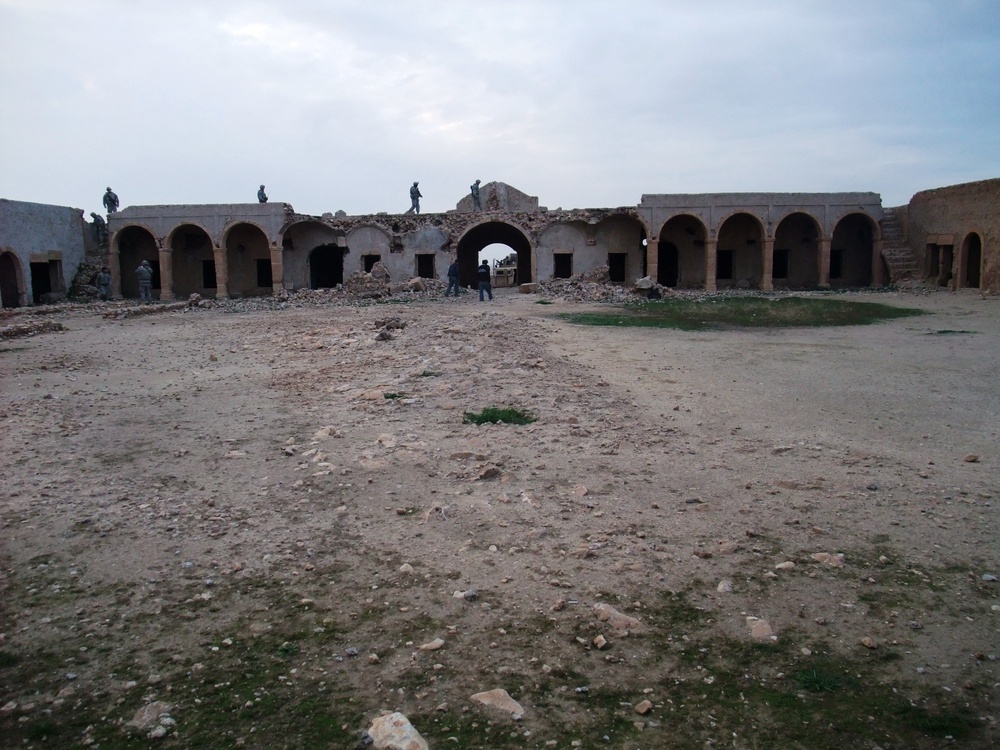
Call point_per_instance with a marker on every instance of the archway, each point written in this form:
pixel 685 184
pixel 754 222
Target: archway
pixel 972 255
pixel 492 232
pixel 680 253
pixel 326 267
pixel 738 260
pixel 297 243
pixel 193 261
pixel 796 252
pixel 248 261
pixel 135 245
pixel 851 251
pixel 11 281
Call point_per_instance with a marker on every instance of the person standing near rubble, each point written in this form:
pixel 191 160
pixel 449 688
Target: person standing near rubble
pixel 261 195
pixel 453 278
pixel 103 283
pixel 145 275
pixel 110 201
pixel 477 204
pixel 484 280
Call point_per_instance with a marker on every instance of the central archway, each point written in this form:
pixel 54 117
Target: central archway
pixel 490 233
pixel 11 280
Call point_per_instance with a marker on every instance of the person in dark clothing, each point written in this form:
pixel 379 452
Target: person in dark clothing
pixel 453 279
pixel 484 281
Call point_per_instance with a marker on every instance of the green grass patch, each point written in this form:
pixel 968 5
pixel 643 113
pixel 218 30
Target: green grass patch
pixel 744 312
pixel 392 396
pixel 7 659
pixel 494 415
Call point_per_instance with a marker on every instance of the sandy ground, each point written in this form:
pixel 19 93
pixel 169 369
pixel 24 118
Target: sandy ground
pixel 177 481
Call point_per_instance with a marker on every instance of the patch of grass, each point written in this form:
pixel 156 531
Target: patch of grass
pixel 429 374
pixel 391 396
pixel 946 331
pixel 543 302
pixel 7 659
pixel 817 681
pixel 494 414
pixel 744 312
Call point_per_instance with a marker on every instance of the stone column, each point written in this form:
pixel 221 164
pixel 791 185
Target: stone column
pixel 166 273
pixel 652 258
pixel 277 269
pixel 877 279
pixel 710 259
pixel 824 262
pixel 115 264
pixel 221 273
pixel 767 281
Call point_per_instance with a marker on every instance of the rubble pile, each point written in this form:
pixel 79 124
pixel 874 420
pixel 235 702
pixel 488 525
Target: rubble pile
pixel 29 328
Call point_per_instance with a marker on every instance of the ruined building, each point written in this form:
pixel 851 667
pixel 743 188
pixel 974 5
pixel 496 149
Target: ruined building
pixel 693 241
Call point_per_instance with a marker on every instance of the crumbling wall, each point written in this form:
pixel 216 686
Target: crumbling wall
pixel 947 216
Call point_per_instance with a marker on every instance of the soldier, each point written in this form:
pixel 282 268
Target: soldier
pixel 261 195
pixel 415 197
pixel 103 283
pixel 145 275
pixel 476 204
pixel 110 201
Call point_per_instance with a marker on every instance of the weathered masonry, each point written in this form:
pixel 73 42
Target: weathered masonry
pixel 41 247
pixel 709 241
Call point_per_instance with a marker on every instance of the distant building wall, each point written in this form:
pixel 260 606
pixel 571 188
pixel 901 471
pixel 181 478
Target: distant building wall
pixel 41 246
pixel 956 230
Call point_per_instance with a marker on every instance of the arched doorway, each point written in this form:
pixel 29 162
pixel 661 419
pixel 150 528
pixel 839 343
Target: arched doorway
pixel 680 253
pixel 11 281
pixel 795 263
pixel 490 233
pixel 972 255
pixel 326 267
pixel 297 244
pixel 851 251
pixel 739 260
pixel 248 261
pixel 135 245
pixel 193 262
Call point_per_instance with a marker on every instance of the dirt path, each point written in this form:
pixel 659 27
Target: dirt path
pixel 258 518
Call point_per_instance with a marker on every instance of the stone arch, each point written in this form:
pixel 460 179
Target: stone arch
pixel 852 250
pixel 12 289
pixel 680 252
pixel 192 261
pixel 971 273
pixel 488 233
pixel 297 243
pixel 739 259
pixel 248 260
pixel 134 244
pixel 795 262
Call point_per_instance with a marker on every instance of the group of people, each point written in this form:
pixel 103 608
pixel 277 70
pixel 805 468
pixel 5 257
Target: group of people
pixel 483 274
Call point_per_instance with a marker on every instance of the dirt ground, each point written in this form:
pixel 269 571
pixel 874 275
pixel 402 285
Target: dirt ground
pixel 251 522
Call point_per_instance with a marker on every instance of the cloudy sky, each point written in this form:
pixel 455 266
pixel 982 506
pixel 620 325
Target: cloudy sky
pixel 342 104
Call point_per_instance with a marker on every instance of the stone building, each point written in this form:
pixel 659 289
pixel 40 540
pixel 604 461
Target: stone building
pixel 955 233
pixel 41 246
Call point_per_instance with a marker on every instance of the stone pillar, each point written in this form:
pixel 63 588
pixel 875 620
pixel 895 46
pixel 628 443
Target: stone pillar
pixel 652 258
pixel 824 262
pixel 221 273
pixel 166 273
pixel 710 259
pixel 115 264
pixel 767 281
pixel 277 269
pixel 877 265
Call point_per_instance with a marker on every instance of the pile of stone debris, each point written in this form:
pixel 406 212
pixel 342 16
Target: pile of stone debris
pixel 23 329
pixel 596 286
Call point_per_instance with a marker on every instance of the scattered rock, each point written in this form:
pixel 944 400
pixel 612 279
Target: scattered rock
pixel 760 629
pixel 617 620
pixel 500 700
pixel 644 707
pixel 395 732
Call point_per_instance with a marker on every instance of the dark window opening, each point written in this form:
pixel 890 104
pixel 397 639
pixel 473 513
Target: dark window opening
pixel 208 274
pixel 370 261
pixel 780 267
pixel 836 264
pixel 264 272
pixel 425 266
pixel 616 266
pixel 724 265
pixel 668 264
pixel 563 265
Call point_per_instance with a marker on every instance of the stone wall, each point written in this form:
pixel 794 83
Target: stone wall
pixel 53 238
pixel 948 223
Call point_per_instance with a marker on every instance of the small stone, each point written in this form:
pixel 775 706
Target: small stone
pixel 373 659
pixel 617 620
pixel 760 629
pixel 600 642
pixel 989 578
pixel 406 569
pixel 972 458
pixel 725 587
pixel 433 645
pixel 868 642
pixel 500 700
pixel 149 715
pixel 644 707
pixel 395 732
pixel 787 565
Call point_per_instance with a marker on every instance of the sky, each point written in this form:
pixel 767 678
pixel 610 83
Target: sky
pixel 342 104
